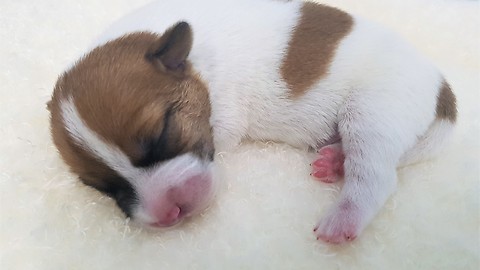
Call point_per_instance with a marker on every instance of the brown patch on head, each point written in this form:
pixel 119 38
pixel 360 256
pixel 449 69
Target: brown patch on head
pixel 313 45
pixel 139 93
pixel 91 171
pixel 80 161
pixel 446 104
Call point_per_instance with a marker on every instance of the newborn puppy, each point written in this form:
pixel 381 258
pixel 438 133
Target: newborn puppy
pixel 140 116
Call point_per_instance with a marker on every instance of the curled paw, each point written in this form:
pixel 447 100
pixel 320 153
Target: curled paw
pixel 328 167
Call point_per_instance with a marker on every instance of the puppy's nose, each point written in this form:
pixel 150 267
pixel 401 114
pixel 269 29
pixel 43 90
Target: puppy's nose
pixel 171 217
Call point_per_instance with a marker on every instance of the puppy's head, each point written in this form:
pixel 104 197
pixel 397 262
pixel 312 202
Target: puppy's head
pixel 131 118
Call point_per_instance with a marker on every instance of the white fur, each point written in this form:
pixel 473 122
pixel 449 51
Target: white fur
pixel 429 145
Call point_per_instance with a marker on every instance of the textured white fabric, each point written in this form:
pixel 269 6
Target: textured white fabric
pixel 264 215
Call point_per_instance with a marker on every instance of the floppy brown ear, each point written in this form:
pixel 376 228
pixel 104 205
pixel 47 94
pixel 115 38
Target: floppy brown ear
pixel 171 50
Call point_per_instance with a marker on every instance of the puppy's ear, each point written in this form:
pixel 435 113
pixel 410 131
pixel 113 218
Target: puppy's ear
pixel 170 51
pixel 49 105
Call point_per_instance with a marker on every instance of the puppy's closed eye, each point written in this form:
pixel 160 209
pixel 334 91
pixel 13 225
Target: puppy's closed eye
pixel 159 148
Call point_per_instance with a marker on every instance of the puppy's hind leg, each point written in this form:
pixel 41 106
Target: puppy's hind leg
pixel 372 145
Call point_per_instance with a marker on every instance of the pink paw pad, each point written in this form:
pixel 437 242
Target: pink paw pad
pixel 328 167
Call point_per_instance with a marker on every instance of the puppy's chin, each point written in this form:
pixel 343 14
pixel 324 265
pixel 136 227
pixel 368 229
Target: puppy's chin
pixel 172 191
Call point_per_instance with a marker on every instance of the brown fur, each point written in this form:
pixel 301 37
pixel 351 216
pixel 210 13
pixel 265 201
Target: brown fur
pixel 446 104
pixel 313 45
pixel 123 94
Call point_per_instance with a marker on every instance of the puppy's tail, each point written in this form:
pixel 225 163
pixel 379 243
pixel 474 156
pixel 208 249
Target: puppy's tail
pixel 440 131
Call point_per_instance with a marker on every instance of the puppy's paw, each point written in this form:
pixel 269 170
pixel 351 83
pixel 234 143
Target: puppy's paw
pixel 328 167
pixel 342 224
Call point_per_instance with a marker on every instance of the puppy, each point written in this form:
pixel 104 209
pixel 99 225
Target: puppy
pixel 140 116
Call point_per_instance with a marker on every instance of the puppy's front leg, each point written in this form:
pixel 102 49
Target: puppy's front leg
pixel 372 147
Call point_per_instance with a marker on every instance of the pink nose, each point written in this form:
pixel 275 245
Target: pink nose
pixel 171 217
pixel 179 201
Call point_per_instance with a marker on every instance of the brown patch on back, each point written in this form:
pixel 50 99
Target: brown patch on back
pixel 313 45
pixel 127 100
pixel 446 104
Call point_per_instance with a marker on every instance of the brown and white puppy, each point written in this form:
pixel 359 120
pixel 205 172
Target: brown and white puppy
pixel 138 116
pixel 155 109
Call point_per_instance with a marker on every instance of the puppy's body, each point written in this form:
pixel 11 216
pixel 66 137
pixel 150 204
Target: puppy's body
pixel 293 72
pixel 240 48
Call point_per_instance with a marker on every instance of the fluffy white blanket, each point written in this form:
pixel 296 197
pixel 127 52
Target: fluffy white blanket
pixel 264 216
